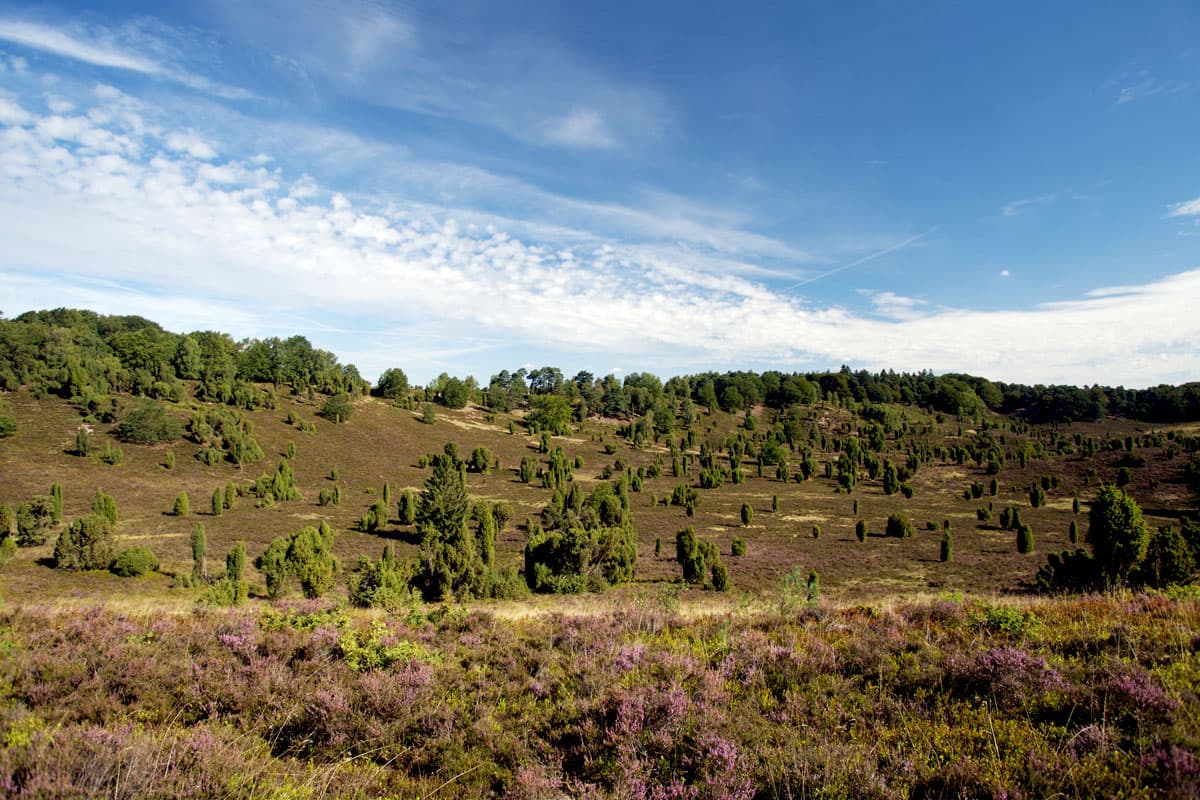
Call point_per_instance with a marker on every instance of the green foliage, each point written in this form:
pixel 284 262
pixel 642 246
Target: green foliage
pixel 720 573
pixel 1070 572
pixel 428 414
pixel 1169 560
pixel 223 433
pixel 133 562
pixel 235 562
pixel 695 556
pixel 105 506
pixel 481 460
pixel 8 426
pixel 450 562
pixel 88 543
pixel 380 649
pixel 83 441
pixel 747 514
pixel 199 544
pixel 181 507
pixel 860 530
pixel 1006 620
pixel 1024 540
pixel 407 507
pixel 35 518
pixel 580 558
pixel 899 526
pixel 738 548
pixel 1073 533
pixel 983 514
pixel 56 494
pixel 8 520
pixel 277 488
pixel 1037 496
pixel 550 413
pixel 8 548
pixel 382 584
pixel 947 549
pixel 393 384
pixel 306 555
pixel 1117 533
pixel 1124 477
pixel 217 506
pixel 337 408
pixel 816 531
pixel 148 424
pixel 528 469
pixel 111 455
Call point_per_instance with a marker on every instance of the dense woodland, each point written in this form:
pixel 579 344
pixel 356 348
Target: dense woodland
pixel 221 480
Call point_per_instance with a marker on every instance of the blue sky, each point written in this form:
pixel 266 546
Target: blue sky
pixel 1011 190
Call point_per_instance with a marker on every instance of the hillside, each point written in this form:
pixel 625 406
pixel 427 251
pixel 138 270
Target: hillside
pixel 383 443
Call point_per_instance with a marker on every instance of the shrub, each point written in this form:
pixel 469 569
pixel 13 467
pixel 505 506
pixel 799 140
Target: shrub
pixel 381 584
pixel 720 577
pixel 738 548
pixel 111 455
pixel 1024 540
pixel 747 514
pixel 947 545
pixel 35 517
pixel 816 531
pixel 899 526
pixel 182 507
pixel 86 544
pixel 1037 496
pixel 8 520
pixel 148 424
pixel 8 425
pixel 528 469
pixel 1073 533
pixel 860 530
pixel 133 562
pixel 199 544
pixel 337 408
pixel 218 502
pixel 104 505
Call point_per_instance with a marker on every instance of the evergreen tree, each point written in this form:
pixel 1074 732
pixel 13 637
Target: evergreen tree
pixel 199 543
pixel 1117 533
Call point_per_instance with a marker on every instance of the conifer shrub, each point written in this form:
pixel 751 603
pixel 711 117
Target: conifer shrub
pixel 947 547
pixel 747 514
pixel 181 507
pixel 860 530
pixel 35 518
pixel 899 526
pixel 816 531
pixel 739 547
pixel 1024 539
pixel 86 544
pixel 133 562
pixel 720 577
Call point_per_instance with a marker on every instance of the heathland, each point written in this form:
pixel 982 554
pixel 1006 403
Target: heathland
pixel 237 569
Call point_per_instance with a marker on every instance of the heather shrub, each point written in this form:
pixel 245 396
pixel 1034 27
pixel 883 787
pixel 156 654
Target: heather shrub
pixel 133 562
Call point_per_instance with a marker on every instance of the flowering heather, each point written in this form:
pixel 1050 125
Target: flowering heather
pixel 315 701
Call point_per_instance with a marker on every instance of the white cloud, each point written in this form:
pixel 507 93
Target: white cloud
pixel 248 249
pixel 12 114
pixel 190 143
pixel 101 48
pixel 583 127
pixel 1017 206
pixel 1005 273
pixel 1188 208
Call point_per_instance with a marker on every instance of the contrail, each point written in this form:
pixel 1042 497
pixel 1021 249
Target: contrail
pixel 864 259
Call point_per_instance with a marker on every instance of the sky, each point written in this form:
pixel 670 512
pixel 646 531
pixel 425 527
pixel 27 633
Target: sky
pixel 1010 190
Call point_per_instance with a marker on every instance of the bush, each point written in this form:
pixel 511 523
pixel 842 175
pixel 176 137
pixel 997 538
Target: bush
pixel 337 408
pixel 720 577
pixel 8 425
pixel 738 548
pixel 181 507
pixel 481 460
pixel 148 424
pixel 899 526
pixel 86 544
pixel 983 514
pixel 816 531
pixel 747 514
pixel 133 562
pixel 104 505
pixel 860 530
pixel 35 517
pixel 1024 540
pixel 947 548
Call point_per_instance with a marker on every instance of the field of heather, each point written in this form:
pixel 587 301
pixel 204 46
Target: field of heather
pixel 937 698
